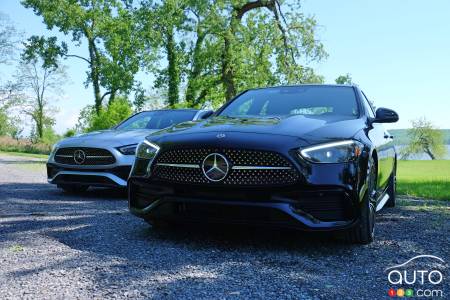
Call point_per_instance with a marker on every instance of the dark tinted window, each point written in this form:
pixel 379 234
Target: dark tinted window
pixel 157 119
pixel 303 100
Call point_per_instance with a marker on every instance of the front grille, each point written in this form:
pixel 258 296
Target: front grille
pixel 246 167
pixel 93 156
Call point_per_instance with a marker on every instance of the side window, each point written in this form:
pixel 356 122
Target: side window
pixel 368 105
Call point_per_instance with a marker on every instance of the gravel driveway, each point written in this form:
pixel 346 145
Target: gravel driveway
pixel 56 246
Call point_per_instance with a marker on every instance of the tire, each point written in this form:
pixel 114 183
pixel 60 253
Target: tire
pixel 73 189
pixel 364 231
pixel 392 188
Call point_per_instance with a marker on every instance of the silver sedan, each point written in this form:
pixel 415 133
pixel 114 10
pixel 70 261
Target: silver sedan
pixel 104 158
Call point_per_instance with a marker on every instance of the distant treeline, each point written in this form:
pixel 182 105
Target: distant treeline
pixel 401 136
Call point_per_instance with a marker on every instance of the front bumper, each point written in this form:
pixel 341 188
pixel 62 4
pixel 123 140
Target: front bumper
pixel 319 208
pixel 100 177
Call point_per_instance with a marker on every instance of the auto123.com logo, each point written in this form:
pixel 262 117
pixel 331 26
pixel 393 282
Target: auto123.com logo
pixel 421 276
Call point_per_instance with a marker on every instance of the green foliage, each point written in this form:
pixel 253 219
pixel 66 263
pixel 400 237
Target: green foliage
pixel 69 133
pixel 113 37
pixel 49 137
pixel 344 79
pixel 221 47
pixel 9 125
pixel 115 112
pixel 424 178
pixel 424 137
pixel 44 49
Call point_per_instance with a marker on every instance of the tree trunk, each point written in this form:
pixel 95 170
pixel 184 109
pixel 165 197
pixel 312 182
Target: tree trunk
pixel 428 151
pixel 95 75
pixel 173 69
pixel 40 116
pixel 228 72
pixel 191 91
pixel 112 96
pixel 40 127
pixel 227 65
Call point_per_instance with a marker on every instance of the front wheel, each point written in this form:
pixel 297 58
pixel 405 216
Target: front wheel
pixel 73 189
pixel 364 231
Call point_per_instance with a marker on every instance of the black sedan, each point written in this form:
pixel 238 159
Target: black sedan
pixel 309 157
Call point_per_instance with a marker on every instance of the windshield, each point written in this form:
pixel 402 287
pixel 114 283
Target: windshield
pixel 156 119
pixel 315 101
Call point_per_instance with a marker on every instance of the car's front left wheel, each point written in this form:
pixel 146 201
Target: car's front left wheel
pixel 364 231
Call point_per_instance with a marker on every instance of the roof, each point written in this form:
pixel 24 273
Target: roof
pixel 307 84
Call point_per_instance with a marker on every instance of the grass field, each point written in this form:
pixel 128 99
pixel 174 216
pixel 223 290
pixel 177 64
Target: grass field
pixel 21 154
pixel 424 178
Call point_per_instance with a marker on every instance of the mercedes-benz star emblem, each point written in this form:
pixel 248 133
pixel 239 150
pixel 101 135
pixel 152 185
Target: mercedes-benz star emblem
pixel 79 156
pixel 220 135
pixel 215 167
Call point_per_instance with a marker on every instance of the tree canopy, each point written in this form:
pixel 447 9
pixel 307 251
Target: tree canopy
pixel 199 50
pixel 113 39
pixel 425 138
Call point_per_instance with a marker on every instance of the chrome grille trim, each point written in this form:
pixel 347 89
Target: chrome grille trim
pixel 248 167
pixel 93 156
pixel 192 166
pixel 259 168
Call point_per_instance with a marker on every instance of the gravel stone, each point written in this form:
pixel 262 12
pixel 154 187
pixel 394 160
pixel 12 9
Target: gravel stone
pixel 59 246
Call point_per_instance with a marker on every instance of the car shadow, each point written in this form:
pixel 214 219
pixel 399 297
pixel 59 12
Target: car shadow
pixel 98 224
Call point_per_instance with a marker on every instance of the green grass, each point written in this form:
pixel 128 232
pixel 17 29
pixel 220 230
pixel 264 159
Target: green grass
pixel 424 178
pixel 22 154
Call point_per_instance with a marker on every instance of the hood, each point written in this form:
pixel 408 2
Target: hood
pixel 301 127
pixel 109 138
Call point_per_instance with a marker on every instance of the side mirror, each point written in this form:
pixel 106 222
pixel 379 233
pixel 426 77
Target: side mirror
pixel 207 114
pixel 385 115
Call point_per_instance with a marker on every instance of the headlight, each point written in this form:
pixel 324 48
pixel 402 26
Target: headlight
pixel 145 153
pixel 336 152
pixel 54 149
pixel 128 150
pixel 146 150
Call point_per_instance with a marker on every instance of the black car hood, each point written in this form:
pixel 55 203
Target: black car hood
pixel 308 130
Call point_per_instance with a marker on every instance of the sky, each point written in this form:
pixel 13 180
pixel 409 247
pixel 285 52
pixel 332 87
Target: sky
pixel 397 51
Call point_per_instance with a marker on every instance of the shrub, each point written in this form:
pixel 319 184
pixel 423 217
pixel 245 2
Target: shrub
pixel 116 111
pixel 12 145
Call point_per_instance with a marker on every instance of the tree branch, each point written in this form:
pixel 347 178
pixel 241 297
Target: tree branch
pixel 80 57
pixel 106 94
pixel 240 12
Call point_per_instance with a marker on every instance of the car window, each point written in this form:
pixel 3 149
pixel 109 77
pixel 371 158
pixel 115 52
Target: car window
pixel 156 119
pixel 300 100
pixel 368 106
